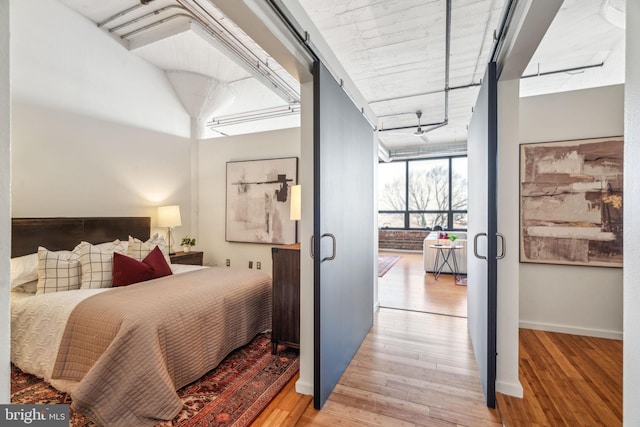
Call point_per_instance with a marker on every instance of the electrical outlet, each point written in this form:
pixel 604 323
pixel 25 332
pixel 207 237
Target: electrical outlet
pixel 258 265
pixel 250 264
pixel 228 262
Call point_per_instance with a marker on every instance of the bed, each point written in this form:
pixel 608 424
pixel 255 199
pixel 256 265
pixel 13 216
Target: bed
pixel 123 352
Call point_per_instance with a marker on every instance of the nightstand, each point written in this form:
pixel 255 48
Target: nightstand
pixel 191 258
pixel 285 318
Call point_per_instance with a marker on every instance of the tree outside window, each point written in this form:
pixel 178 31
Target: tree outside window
pixel 423 193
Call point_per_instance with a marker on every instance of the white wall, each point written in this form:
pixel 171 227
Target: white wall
pixel 631 380
pixel 5 202
pixel 73 165
pixel 97 131
pixel 304 385
pixel 507 339
pixel 572 299
pixel 60 60
pixel 213 157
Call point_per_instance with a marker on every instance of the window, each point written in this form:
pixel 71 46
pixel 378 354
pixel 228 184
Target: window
pixel 423 193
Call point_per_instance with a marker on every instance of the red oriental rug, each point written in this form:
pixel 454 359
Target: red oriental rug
pixel 233 394
pixel 385 262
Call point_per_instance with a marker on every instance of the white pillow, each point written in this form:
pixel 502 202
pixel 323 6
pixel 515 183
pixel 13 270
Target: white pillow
pixel 96 265
pixel 24 269
pixel 111 247
pixel 57 271
pixel 138 249
pixel 29 287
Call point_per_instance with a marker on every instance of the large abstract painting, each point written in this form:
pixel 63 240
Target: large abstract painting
pixel 258 200
pixel 571 202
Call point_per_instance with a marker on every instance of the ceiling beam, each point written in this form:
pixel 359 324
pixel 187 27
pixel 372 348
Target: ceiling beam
pixel 252 24
pixel 321 49
pixel 522 36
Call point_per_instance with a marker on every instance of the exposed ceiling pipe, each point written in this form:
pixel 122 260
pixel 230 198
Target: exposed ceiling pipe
pixel 247 55
pixel 119 14
pixel 447 55
pixel 470 85
pixel 564 70
pixel 145 16
pixel 416 95
pixel 251 116
pixel 310 50
pixel 426 151
pixel 254 65
pixel 155 24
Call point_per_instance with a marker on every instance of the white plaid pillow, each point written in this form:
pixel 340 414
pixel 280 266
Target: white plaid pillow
pixel 97 266
pixel 111 247
pixel 57 271
pixel 138 249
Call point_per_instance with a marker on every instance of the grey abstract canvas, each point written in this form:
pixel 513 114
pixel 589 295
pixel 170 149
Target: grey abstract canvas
pixel 258 201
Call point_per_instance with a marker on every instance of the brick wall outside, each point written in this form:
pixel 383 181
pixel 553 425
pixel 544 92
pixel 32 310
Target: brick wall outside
pixel 410 240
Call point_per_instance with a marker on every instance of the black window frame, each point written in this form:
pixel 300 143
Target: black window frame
pixel 407 212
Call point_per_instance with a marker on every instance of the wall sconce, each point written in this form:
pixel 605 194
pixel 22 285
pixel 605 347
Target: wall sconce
pixel 169 217
pixel 296 202
pixel 295 208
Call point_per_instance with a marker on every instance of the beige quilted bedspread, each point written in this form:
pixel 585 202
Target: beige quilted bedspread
pixel 131 348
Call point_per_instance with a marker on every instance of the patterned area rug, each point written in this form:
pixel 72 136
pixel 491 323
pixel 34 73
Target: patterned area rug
pixel 233 394
pixel 385 262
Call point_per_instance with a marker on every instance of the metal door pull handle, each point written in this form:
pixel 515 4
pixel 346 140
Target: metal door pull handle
pixel 327 258
pixel 475 245
pixel 502 246
pixel 333 255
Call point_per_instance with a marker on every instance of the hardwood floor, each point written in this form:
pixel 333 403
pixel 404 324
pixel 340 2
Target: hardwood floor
pixel 407 287
pixel 418 369
pixel 413 369
pixel 568 380
pixel 286 408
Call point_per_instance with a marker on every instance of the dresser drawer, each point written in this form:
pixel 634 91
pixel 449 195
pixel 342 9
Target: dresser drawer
pixel 190 258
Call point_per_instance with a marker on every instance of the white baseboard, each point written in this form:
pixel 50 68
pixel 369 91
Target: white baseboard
pixel 304 387
pixel 574 330
pixel 510 389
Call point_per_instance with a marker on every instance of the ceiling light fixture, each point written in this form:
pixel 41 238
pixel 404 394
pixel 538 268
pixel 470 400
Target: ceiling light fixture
pixel 419 131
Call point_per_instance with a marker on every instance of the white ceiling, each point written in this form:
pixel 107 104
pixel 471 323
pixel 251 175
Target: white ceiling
pixel 170 34
pixel 393 51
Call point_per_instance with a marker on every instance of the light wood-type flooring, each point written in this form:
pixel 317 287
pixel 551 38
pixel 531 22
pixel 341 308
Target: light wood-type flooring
pixel 406 286
pixel 568 380
pixel 417 369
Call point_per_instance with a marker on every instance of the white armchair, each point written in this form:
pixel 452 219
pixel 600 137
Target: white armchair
pixel 429 253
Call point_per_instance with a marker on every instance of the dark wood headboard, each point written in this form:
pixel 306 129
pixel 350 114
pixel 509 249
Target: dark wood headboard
pixel 65 233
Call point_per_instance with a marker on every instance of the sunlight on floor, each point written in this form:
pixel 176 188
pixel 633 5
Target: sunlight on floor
pixel 406 286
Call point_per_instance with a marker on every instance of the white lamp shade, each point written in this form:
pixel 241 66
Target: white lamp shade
pixel 169 216
pixel 296 202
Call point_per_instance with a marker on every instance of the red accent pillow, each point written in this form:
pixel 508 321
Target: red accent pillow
pixel 127 270
pixel 158 263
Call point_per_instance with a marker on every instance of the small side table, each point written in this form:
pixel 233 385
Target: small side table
pixel 444 254
pixel 190 258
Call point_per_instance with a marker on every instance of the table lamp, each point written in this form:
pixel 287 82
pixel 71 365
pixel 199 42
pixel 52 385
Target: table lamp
pixel 169 217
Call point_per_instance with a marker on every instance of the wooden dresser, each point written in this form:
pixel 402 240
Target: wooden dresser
pixel 285 319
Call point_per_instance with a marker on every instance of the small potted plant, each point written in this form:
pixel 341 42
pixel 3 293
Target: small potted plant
pixel 187 242
pixel 452 237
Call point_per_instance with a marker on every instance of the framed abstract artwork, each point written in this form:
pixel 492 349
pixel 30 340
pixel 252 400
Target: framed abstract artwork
pixel 258 200
pixel 571 198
